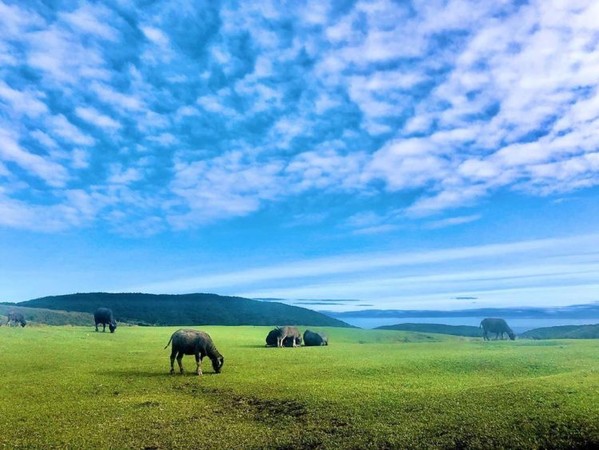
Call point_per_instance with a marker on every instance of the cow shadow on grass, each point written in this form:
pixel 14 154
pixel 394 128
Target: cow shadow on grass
pixel 148 374
pixel 253 346
pixel 265 346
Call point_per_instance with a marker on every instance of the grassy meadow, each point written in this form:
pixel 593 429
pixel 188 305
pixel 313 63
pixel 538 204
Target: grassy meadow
pixel 69 387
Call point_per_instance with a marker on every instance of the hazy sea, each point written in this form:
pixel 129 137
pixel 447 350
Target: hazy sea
pixel 519 325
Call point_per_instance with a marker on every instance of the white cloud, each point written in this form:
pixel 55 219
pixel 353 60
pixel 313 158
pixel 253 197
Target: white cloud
pixel 117 99
pixel 160 52
pixel 3 170
pixel 326 169
pixel 226 186
pixel 79 159
pixel 406 164
pixel 446 199
pixel 452 221
pixel 16 21
pixel 93 19
pixel 62 57
pixel 44 139
pixel 165 139
pixel 23 102
pixel 61 126
pixel 156 36
pixel 187 111
pixel 95 117
pixel 121 175
pixel 261 97
pixel 213 104
pixel 51 172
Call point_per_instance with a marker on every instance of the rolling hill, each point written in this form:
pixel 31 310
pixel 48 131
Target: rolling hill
pixel 558 332
pixel 187 309
pixel 563 332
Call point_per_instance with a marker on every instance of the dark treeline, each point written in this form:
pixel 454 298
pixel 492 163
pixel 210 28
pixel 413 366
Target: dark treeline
pixel 187 309
pixel 563 332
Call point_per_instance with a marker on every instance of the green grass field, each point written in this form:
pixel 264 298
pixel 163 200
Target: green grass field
pixel 69 387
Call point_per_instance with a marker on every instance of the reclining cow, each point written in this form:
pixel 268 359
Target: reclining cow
pixel 312 339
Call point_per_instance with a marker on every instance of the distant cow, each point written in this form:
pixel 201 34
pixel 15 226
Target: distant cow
pixel 105 317
pixel 288 341
pixel 284 336
pixel 497 326
pixel 15 318
pixel 312 339
pixel 197 343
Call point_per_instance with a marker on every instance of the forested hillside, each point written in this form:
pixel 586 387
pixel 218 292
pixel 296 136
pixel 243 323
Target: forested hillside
pixel 188 309
pixel 563 332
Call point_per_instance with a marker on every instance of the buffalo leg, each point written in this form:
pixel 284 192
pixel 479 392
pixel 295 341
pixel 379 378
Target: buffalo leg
pixel 173 354
pixel 179 361
pixel 198 364
pixel 96 327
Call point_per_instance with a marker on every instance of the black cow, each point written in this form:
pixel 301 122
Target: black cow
pixel 16 318
pixel 105 317
pixel 312 339
pixel 197 343
pixel 497 326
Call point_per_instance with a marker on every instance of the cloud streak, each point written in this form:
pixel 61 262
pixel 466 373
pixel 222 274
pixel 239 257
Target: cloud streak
pixel 540 263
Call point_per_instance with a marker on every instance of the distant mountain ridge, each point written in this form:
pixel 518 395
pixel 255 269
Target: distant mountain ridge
pixel 454 330
pixel 566 312
pixel 186 309
pixel 558 332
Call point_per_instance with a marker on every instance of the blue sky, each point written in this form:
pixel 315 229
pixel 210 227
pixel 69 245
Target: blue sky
pixel 358 154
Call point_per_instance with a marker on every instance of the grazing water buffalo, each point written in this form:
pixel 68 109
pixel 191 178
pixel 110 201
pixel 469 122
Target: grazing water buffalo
pixel 284 336
pixel 289 341
pixel 197 343
pixel 497 326
pixel 15 318
pixel 105 317
pixel 312 339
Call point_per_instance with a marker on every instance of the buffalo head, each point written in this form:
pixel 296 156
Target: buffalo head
pixel 217 364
